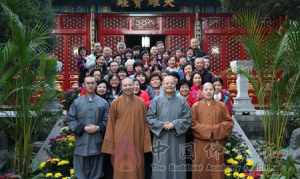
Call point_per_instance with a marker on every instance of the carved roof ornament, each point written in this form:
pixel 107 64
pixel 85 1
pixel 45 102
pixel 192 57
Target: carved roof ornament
pixel 122 3
pixel 169 3
pixel 154 3
pixel 137 3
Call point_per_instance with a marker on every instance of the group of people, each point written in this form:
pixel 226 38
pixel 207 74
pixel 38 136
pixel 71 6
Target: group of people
pixel 169 105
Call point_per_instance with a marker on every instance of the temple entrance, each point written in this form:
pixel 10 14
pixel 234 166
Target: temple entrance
pixel 174 29
pixel 133 40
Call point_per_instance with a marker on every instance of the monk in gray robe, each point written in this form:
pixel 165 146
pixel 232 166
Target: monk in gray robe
pixel 87 118
pixel 169 118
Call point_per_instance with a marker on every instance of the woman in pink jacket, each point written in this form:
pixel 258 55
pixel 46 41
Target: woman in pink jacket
pixel 195 92
pixel 143 95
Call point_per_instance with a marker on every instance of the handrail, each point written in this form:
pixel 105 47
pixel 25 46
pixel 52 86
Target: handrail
pixel 253 154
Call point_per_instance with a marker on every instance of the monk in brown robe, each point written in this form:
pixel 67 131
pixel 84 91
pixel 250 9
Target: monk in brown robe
pixel 211 125
pixel 127 135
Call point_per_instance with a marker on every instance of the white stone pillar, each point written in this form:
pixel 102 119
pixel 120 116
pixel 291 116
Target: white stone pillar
pixel 242 102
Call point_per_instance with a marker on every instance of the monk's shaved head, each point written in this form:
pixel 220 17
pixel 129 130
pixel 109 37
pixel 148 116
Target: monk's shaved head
pixel 169 85
pixel 208 84
pixel 127 87
pixel 208 91
pixel 127 80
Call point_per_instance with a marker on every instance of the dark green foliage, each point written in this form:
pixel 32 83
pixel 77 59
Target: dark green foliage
pixel 30 12
pixel 273 8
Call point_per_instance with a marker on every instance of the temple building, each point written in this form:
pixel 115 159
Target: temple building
pixel 84 22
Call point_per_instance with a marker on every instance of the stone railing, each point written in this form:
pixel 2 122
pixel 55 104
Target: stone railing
pixel 42 154
pixel 253 154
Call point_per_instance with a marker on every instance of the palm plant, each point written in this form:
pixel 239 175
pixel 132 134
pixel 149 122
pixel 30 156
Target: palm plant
pixel 30 13
pixel 276 60
pixel 27 78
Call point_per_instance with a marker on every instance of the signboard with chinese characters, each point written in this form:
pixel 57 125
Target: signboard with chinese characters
pixel 143 5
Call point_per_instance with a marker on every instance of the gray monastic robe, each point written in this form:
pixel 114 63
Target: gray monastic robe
pixel 86 110
pixel 169 160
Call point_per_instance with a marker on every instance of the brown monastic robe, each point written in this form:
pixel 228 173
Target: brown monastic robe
pixel 211 125
pixel 127 137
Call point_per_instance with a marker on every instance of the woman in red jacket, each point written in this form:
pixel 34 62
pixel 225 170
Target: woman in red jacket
pixel 143 95
pixel 195 92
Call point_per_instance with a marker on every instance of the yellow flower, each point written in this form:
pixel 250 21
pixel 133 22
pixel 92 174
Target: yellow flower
pixel 229 161
pixel 227 171
pixel 65 177
pixel 71 138
pixel 234 162
pixel 57 175
pixel 42 165
pixel 239 157
pixel 250 177
pixel 63 162
pixel 54 160
pixel 72 172
pixel 242 175
pixel 71 144
pixel 228 174
pixel 235 174
pixel 250 163
pixel 49 175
